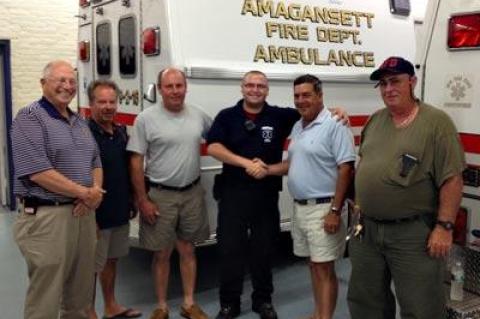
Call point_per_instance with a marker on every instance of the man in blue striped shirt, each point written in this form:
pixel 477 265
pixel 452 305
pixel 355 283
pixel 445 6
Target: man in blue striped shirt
pixel 58 178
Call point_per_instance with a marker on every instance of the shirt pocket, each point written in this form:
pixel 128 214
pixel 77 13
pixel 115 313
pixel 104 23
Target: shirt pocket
pixel 405 169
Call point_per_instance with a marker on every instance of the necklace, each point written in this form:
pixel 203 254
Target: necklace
pixel 407 120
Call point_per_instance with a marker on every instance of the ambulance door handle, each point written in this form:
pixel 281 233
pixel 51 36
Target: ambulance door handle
pixel 151 95
pixel 99 11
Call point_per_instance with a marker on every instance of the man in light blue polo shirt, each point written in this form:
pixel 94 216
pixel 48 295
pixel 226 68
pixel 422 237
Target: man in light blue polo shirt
pixel 321 156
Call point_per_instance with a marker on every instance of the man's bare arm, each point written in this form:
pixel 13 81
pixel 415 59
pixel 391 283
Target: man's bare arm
pixel 57 183
pixel 344 178
pixel 440 240
pixel 278 169
pixel 148 209
pixel 137 176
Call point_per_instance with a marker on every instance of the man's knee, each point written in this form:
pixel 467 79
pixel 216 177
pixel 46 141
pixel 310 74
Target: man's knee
pixel 323 270
pixel 162 256
pixel 185 249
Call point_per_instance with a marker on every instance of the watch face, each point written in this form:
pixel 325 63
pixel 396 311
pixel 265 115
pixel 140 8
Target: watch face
pixel 446 225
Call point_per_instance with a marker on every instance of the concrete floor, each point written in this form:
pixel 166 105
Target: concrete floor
pixel 292 298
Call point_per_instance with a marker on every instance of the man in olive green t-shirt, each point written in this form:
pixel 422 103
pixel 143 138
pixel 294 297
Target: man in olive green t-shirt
pixel 409 187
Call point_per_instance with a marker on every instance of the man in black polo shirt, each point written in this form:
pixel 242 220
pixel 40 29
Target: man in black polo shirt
pixel 249 139
pixel 115 210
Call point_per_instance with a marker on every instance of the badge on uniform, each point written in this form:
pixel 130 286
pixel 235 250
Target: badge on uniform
pixel 267 134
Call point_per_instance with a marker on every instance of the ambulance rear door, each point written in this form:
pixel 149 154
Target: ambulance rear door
pixel 116 55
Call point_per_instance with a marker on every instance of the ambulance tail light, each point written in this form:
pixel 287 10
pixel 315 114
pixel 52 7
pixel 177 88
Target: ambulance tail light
pixel 84 51
pixel 464 31
pixel 460 228
pixel 84 3
pixel 151 41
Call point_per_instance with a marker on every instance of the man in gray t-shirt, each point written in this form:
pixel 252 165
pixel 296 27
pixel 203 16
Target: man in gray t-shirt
pixel 165 170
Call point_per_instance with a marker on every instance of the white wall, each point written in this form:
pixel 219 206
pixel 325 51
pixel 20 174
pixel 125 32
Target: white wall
pixel 39 31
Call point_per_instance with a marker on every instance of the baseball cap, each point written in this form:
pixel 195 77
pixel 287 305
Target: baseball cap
pixel 393 64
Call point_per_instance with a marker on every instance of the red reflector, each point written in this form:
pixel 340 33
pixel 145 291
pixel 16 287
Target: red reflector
pixel 460 229
pixel 84 51
pixel 151 41
pixel 464 31
pixel 84 3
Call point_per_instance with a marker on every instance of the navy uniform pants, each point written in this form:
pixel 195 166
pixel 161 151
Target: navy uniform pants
pixel 248 226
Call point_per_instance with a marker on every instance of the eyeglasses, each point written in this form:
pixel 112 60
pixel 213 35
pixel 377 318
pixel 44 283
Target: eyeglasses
pixel 253 86
pixel 63 81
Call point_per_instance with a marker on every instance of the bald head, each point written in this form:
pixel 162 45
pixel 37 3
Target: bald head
pixel 59 83
pixel 52 65
pixel 167 71
pixel 172 86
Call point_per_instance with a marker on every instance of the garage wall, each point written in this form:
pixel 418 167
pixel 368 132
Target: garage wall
pixel 39 31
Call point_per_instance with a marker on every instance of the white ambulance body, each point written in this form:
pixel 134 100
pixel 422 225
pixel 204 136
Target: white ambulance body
pixel 450 62
pixel 216 41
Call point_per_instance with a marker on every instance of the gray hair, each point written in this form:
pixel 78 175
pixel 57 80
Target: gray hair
pixel 101 83
pixel 47 70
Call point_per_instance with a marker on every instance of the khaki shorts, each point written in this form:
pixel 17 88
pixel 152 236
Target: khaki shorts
pixel 309 237
pixel 112 243
pixel 183 215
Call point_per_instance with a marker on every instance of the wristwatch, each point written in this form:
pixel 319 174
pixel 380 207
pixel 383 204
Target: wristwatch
pixel 335 210
pixel 446 225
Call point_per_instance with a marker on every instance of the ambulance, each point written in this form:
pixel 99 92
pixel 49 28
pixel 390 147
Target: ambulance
pixel 216 41
pixel 450 72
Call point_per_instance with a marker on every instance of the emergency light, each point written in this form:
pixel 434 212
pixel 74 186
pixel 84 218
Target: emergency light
pixel 464 31
pixel 84 3
pixel 151 41
pixel 84 51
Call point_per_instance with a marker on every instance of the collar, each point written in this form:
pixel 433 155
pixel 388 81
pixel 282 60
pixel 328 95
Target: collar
pixel 239 108
pixel 321 117
pixel 169 113
pixel 94 126
pixel 52 111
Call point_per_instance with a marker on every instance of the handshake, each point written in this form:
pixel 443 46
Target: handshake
pixel 257 168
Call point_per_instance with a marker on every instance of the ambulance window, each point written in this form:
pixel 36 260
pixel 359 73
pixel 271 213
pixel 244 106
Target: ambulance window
pixel 104 45
pixel 128 49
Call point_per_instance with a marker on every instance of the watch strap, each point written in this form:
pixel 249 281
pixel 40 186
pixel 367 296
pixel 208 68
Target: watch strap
pixel 445 224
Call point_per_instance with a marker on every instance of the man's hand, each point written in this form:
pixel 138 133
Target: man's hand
pixel 341 114
pixel 332 223
pixel 93 197
pixel 148 211
pixel 257 168
pixel 439 242
pixel 80 209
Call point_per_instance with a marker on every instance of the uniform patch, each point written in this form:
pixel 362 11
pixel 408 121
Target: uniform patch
pixel 267 134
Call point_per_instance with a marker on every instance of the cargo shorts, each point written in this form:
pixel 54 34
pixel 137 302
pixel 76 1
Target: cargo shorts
pixel 182 215
pixel 112 243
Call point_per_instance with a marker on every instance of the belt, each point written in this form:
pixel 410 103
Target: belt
pixel 32 201
pixel 313 201
pixel 175 188
pixel 396 220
